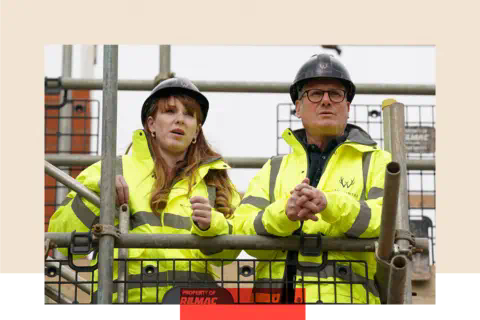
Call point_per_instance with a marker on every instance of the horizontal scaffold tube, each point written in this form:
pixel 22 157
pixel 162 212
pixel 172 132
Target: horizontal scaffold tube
pixel 241 86
pixel 235 162
pixel 186 241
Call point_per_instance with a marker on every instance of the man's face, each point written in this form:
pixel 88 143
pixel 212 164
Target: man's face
pixel 324 118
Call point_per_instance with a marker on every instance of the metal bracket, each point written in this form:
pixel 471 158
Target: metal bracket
pixel 421 269
pixel 312 252
pixel 77 248
pixel 99 230
pixel 405 235
pixel 57 89
pixel 410 237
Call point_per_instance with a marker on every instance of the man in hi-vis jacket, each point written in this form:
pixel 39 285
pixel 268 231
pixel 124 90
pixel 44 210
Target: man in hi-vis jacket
pixel 330 184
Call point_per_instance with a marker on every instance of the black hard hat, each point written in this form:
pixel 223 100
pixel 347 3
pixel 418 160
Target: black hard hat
pixel 323 66
pixel 176 86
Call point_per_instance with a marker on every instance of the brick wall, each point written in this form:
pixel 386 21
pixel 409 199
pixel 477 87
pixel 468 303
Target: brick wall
pixel 80 139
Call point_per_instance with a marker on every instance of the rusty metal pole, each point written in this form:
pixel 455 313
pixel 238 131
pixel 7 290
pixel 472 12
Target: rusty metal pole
pixel 386 240
pixel 389 211
pixel 397 281
pixel 394 142
pixel 107 189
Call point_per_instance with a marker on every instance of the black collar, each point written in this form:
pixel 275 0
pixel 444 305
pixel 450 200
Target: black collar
pixel 330 145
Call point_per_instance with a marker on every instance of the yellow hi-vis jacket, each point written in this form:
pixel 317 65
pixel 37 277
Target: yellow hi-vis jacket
pixel 78 214
pixel 352 181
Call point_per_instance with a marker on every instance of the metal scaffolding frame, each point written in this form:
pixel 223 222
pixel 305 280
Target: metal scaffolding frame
pixel 234 162
pixel 396 279
pixel 239 86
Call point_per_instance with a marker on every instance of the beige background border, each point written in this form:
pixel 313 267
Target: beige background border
pixel 25 32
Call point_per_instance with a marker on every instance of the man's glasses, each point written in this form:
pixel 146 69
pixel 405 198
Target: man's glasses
pixel 316 95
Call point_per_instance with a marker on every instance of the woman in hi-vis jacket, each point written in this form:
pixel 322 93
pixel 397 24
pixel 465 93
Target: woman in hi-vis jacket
pixel 174 183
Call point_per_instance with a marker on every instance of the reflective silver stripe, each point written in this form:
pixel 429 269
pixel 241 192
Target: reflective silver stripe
pixel 230 228
pixel 83 213
pixel 375 193
pixel 142 217
pixel 176 221
pixel 258 202
pixel 65 201
pixel 274 169
pixel 343 272
pixel 367 156
pixel 212 195
pixel 169 220
pixel 258 225
pixel 361 222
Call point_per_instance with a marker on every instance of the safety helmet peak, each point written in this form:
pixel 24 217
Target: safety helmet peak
pixel 322 66
pixel 178 86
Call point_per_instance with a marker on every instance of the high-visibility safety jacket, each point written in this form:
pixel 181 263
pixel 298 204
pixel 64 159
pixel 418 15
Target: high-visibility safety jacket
pixel 352 181
pixel 78 214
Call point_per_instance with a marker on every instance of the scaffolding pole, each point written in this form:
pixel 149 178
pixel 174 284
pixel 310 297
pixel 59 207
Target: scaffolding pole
pixel 244 86
pixel 64 133
pixel 187 241
pixel 386 240
pixel 107 189
pixel 394 133
pixel 164 72
pixel 234 162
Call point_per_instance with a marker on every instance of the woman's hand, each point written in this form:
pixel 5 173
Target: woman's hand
pixel 202 212
pixel 122 190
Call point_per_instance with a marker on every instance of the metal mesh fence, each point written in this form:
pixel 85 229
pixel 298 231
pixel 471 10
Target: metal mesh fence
pixel 421 183
pixel 174 281
pixel 81 132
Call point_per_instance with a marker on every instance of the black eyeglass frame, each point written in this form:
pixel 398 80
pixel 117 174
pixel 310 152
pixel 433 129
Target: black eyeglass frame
pixel 323 94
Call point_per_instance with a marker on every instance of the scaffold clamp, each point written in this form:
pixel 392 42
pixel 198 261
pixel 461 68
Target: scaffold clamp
pixel 100 230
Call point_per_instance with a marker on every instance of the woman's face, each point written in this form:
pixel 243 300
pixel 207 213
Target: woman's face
pixel 175 126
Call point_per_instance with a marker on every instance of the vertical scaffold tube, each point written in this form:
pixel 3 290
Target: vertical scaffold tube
pixel 394 138
pixel 387 228
pixel 107 190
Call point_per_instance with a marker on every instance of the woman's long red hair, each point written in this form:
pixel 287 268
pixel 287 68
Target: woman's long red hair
pixel 196 155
